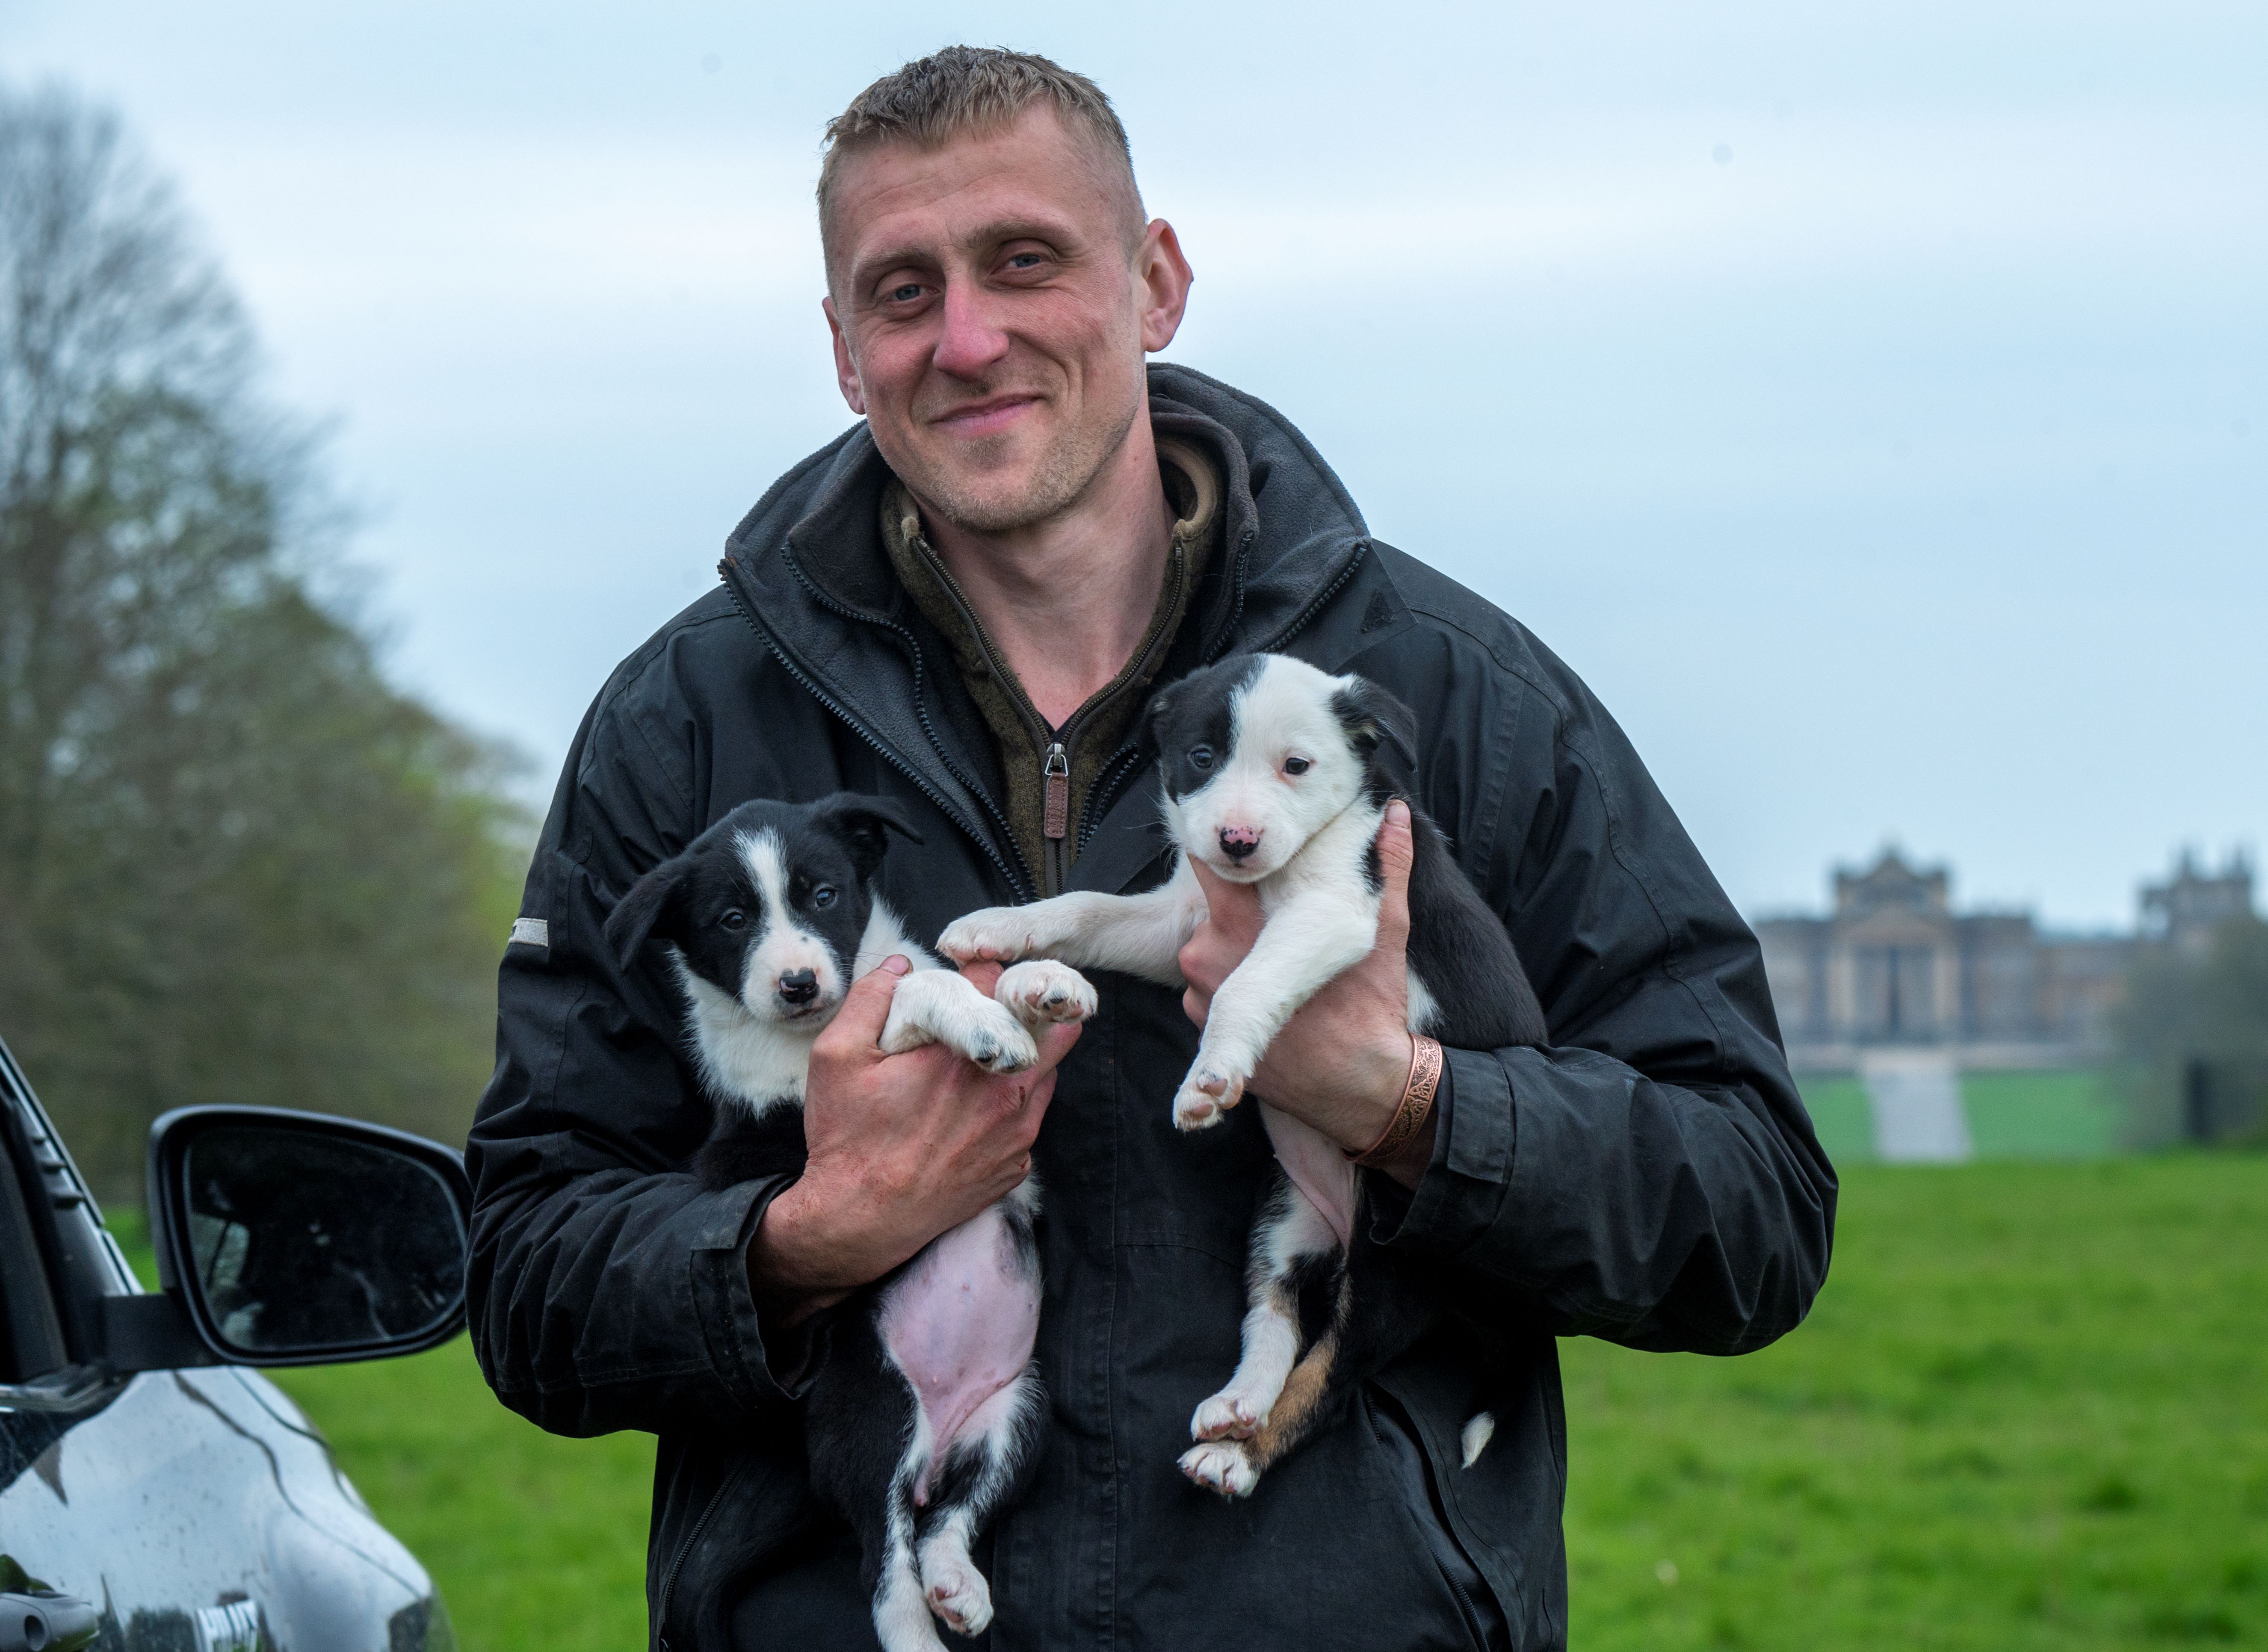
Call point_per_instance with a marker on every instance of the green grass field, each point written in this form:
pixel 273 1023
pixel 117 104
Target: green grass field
pixel 2029 1411
pixel 2030 1115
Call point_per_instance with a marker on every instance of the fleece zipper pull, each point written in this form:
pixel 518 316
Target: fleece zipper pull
pixel 1055 822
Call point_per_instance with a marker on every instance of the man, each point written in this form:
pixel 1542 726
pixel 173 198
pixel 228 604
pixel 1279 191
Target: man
pixel 963 602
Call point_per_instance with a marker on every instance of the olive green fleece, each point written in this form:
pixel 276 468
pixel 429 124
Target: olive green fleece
pixel 1193 486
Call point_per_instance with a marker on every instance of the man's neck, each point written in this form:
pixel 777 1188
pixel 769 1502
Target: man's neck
pixel 1067 601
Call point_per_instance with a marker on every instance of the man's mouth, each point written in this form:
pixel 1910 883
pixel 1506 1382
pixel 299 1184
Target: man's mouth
pixel 987 417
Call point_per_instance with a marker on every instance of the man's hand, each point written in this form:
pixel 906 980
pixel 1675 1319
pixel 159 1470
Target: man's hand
pixel 1341 1062
pixel 902 1149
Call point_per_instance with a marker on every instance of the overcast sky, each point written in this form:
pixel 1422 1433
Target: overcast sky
pixel 1871 401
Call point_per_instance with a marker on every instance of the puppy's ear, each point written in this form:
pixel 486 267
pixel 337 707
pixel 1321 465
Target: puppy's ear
pixel 1373 717
pixel 650 905
pixel 865 825
pixel 1158 713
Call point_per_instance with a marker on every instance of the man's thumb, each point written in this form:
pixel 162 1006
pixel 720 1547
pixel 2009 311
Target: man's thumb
pixel 1397 849
pixel 866 1006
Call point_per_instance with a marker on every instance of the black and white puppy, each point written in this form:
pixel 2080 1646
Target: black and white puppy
pixel 923 1414
pixel 1275 775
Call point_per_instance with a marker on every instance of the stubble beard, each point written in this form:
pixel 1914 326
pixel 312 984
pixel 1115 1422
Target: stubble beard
pixel 1066 472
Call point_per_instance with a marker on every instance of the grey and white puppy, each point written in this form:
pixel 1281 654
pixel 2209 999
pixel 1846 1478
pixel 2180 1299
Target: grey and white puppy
pixel 1275 775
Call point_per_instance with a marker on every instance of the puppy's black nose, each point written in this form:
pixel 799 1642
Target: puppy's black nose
pixel 1238 842
pixel 800 986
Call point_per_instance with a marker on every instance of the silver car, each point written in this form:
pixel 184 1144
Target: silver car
pixel 156 1493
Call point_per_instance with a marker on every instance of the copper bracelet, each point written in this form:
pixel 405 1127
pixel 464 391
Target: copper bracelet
pixel 1417 1101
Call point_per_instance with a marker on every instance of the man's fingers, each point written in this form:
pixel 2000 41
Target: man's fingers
pixel 1055 1042
pixel 858 1026
pixel 1397 851
pixel 1232 908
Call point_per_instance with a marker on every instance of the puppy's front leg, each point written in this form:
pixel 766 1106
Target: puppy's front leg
pixel 1307 940
pixel 1141 935
pixel 936 1006
pixel 1041 990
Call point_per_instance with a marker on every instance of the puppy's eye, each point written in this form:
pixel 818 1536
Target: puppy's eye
pixel 1201 757
pixel 823 896
pixel 1297 766
pixel 733 919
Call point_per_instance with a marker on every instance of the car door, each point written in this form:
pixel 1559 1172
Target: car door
pixel 194 1509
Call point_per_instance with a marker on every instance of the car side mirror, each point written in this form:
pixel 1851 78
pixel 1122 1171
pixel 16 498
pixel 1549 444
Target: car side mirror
pixel 292 1238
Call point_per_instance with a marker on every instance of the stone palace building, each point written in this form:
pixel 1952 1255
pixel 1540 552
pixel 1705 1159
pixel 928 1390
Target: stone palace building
pixel 1894 964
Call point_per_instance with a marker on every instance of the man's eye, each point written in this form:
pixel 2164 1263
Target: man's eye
pixel 733 919
pixel 1201 757
pixel 1025 261
pixel 1297 766
pixel 906 294
pixel 823 896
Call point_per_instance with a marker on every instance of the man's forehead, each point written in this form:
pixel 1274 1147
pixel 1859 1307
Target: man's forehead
pixel 1033 175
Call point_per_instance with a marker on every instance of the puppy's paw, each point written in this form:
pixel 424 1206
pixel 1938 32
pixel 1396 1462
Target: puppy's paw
pixel 1004 1050
pixel 1227 1415
pixel 1205 1096
pixel 1002 934
pixel 1042 990
pixel 988 1035
pixel 956 1591
pixel 901 1033
pixel 1221 1465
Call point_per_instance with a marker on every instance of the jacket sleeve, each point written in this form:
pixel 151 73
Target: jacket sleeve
pixel 606 1288
pixel 1651 1176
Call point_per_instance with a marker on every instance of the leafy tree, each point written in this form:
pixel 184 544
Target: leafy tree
pixel 2195 1031
pixel 235 865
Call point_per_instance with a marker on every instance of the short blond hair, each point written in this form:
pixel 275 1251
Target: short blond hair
pixel 964 89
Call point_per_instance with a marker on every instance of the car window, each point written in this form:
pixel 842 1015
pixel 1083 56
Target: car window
pixel 31 1332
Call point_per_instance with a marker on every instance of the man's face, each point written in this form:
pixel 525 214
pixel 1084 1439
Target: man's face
pixel 989 319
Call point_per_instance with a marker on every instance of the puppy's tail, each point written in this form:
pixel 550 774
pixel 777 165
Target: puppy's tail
pixel 1474 1437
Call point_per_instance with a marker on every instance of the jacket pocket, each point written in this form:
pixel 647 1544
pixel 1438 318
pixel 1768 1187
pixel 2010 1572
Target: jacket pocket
pixel 1415 1471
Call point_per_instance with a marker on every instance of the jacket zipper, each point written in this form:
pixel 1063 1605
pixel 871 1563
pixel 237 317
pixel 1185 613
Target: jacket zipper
pixel 1021 884
pixel 1054 744
pixel 1054 814
pixel 684 1553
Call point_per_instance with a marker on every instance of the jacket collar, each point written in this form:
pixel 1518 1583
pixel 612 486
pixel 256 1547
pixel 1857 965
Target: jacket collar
pixel 808 566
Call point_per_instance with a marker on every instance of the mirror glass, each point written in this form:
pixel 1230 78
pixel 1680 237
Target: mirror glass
pixel 303 1241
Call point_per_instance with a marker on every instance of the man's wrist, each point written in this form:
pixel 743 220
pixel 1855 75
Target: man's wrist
pixel 1402 1146
pixel 1384 1075
pixel 793 1266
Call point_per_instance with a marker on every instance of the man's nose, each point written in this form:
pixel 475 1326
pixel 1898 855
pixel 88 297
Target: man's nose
pixel 798 986
pixel 971 341
pixel 1238 842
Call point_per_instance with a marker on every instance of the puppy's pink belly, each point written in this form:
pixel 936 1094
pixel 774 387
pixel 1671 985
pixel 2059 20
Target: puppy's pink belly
pixel 961 1323
pixel 1316 1167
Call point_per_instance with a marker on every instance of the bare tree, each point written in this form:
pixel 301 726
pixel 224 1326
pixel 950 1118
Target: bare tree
pixel 234 863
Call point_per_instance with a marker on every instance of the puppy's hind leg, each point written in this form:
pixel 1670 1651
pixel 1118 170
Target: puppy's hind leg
pixel 901 1613
pixel 984 1467
pixel 1293 1246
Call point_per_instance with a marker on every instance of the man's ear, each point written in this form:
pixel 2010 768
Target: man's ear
pixel 865 825
pixel 1373 717
pixel 648 912
pixel 846 370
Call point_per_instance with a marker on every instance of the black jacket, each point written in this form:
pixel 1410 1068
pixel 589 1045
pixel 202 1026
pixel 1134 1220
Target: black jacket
pixel 1650 1177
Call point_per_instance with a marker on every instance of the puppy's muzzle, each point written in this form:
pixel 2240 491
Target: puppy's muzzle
pixel 798 987
pixel 1238 843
